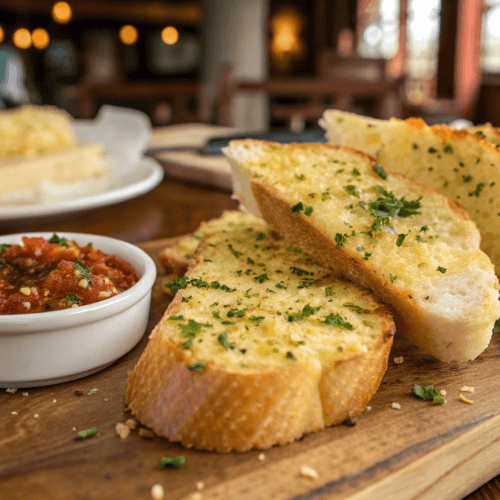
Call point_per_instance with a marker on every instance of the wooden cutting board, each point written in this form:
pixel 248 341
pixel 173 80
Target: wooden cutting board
pixel 421 450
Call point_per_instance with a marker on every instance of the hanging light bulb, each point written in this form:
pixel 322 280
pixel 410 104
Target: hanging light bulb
pixel 2 34
pixel 40 38
pixel 61 12
pixel 128 34
pixel 170 35
pixel 22 38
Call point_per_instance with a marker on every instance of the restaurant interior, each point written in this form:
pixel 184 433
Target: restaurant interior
pixel 164 85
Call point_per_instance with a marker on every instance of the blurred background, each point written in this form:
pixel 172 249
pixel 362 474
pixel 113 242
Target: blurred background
pixel 257 64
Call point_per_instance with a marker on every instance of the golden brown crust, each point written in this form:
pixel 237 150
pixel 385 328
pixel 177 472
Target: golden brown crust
pixel 173 262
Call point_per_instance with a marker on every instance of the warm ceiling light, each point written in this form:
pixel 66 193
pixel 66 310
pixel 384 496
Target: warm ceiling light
pixel 40 38
pixel 128 34
pixel 170 35
pixel 2 34
pixel 61 12
pixel 22 38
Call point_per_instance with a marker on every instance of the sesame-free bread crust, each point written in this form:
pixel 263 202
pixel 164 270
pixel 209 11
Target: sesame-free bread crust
pixel 463 165
pixel 271 368
pixel 427 267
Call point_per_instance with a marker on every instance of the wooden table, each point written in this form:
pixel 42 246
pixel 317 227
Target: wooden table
pixel 40 458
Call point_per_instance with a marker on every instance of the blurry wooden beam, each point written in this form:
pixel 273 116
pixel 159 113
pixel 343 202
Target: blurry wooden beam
pixel 447 47
pixel 152 11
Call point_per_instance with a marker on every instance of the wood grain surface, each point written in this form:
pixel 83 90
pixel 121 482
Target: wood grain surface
pixel 421 451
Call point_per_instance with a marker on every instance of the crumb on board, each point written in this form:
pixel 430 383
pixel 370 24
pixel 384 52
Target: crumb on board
pixel 466 400
pixel 74 428
pixel 131 423
pixel 54 400
pixel 25 394
pixel 396 406
pixel 35 415
pixel 157 492
pixel 146 433
pixel 196 496
pixel 368 408
pixel 11 391
pixel 92 391
pixel 309 472
pixel 14 413
pixel 78 392
pixel 466 388
pixel 261 456
pixel 398 360
pixel 200 485
pixel 442 392
pixel 122 430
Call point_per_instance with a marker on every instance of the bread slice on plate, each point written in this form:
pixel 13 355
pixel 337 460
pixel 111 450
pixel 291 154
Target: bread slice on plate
pixel 417 250
pixel 175 259
pixel 460 164
pixel 259 347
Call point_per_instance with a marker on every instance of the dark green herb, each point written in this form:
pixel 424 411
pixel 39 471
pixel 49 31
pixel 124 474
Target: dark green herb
pixel 176 318
pixel 196 367
pixel 3 246
pixel 392 278
pixel 222 339
pixel 340 240
pixel 428 393
pixel 296 209
pixel 235 252
pixel 441 269
pixel 305 313
pixel 355 172
pixel 350 189
pixel 261 278
pixel 58 241
pixel 72 298
pixel 177 284
pixel 234 311
pixel 400 239
pixel 448 149
pixel 308 210
pixel 380 171
pixel 338 321
pixel 300 272
pixel 92 431
pixel 84 271
pixel 172 462
pixel 478 190
pixel 281 285
pixel 329 292
pixel 432 150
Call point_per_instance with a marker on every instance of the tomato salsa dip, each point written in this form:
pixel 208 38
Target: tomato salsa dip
pixel 49 275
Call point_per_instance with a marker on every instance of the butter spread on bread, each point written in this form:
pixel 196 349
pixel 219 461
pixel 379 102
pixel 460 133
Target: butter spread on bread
pixel 416 249
pixel 460 164
pixel 259 347
pixel 175 258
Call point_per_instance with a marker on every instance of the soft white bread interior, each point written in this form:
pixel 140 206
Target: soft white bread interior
pixel 175 258
pixel 414 248
pixel 258 347
pixel 460 164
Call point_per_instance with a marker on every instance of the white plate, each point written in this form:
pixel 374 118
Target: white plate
pixel 139 180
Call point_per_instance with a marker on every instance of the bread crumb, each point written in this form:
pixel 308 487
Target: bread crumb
pixel 307 471
pixel 200 485
pixel 398 360
pixel 106 400
pixel 196 496
pixel 146 433
pixel 131 423
pixel 14 413
pixel 122 430
pixel 466 388
pixel 92 391
pixel 36 414
pixel 157 492
pixel 442 392
pixel 54 400
pixel 368 408
pixel 11 391
pixel 396 406
pixel 465 400
pixel 261 456
pixel 74 428
pixel 25 394
pixel 78 392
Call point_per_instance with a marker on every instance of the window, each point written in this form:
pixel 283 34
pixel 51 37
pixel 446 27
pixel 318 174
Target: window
pixel 490 36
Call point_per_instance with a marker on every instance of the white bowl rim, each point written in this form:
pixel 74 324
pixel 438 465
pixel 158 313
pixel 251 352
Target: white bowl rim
pixel 55 320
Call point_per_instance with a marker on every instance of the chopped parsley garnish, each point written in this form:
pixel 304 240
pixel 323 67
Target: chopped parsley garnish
pixel 72 298
pixel 216 315
pixel 84 271
pixel 192 328
pixel 466 178
pixel 432 150
pixel 300 177
pixel 400 239
pixel 222 339
pixel 234 311
pixel 337 320
pixel 350 189
pixel 380 171
pixel 478 190
pixel 177 284
pixel 172 462
pixel 3 246
pixel 176 318
pixel 92 431
pixel 260 236
pixel 392 278
pixel 281 286
pixel 216 285
pixel 329 292
pixel 90 245
pixel 415 146
pixel 196 367
pixel 305 313
pixel 340 240
pixel 448 149
pixel 261 278
pixel 428 393
pixel 355 172
pixel 308 210
pixel 306 283
pixel 356 308
pixel 496 328
pixel 58 241
pixel 256 318
pixel 296 209
pixel 441 269
pixel 235 252
pixel 250 261
pixel 300 272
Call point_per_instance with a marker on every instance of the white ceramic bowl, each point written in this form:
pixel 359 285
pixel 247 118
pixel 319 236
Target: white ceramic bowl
pixel 57 346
